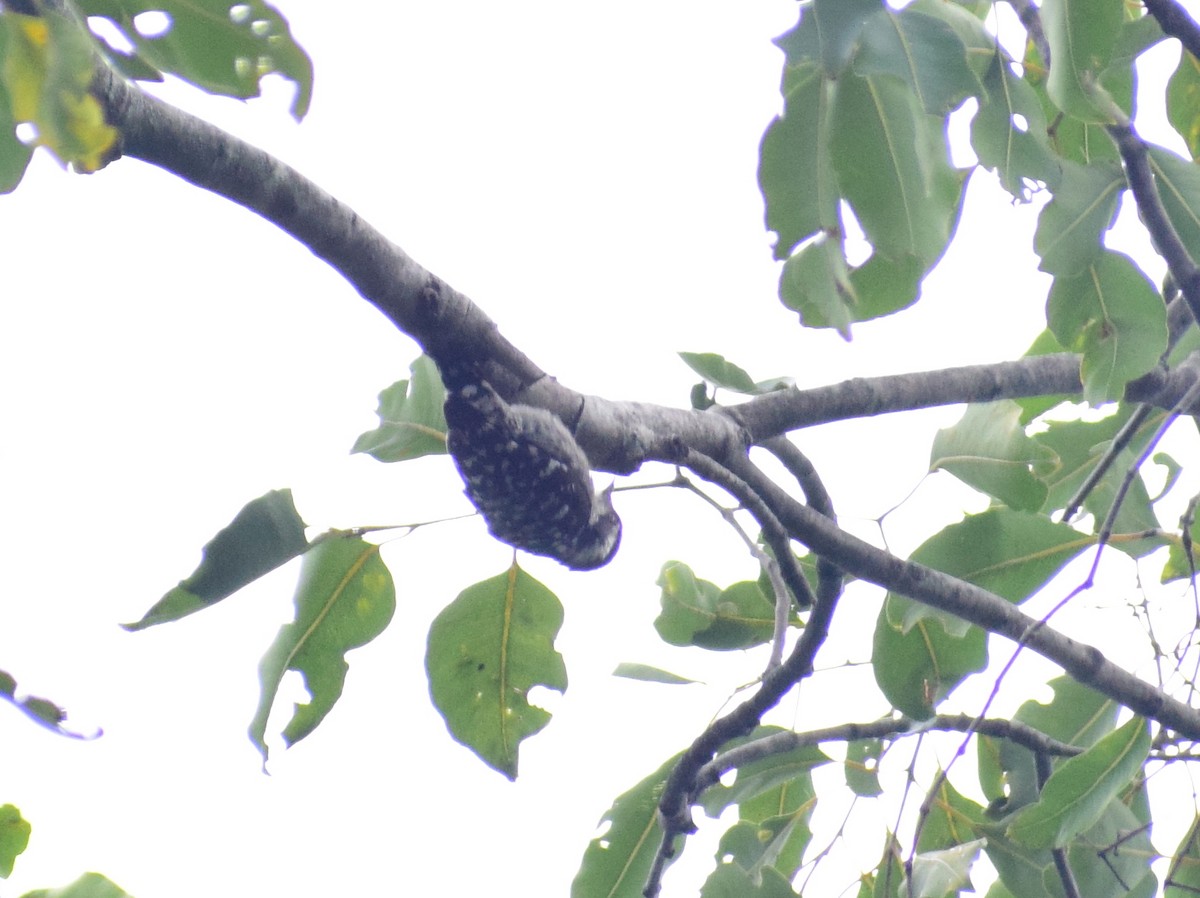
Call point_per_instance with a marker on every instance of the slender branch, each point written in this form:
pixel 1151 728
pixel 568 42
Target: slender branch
pixel 1085 663
pixel 885 728
pixel 829 577
pixel 1123 438
pixel 1032 20
pixel 1135 155
pixel 680 788
pixel 772 530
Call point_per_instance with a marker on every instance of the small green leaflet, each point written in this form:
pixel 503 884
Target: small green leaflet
pixel 719 372
pixel 14 836
pixel 486 650
pixel 344 599
pixel 697 612
pixel 411 422
pixel 648 674
pixel 265 534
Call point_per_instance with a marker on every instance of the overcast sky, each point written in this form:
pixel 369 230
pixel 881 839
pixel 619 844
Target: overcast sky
pixel 587 175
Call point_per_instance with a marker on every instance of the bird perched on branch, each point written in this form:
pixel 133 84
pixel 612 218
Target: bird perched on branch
pixel 529 478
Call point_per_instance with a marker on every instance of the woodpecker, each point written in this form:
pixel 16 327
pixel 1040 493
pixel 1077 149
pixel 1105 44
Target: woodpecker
pixel 529 479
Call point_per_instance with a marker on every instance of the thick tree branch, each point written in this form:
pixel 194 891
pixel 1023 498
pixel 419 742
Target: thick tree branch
pixel 617 437
pixel 1174 20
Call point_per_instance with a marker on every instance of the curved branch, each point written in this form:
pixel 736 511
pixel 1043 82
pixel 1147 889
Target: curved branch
pixel 1083 662
pixel 887 727
pixel 680 789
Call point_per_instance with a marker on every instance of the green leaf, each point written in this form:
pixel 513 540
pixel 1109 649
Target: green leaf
pixel 885 284
pixel 722 373
pixel 922 654
pixel 1031 873
pixel 697 612
pixel 1068 237
pixel 46 72
pixel 918 666
pixel 486 650
pixel 1173 472
pixel 1115 317
pixel 952 819
pixel 789 806
pixel 1082 35
pixel 411 422
pixel 862 767
pixel 1010 553
pixel 936 874
pixel 1008 132
pixel 1079 791
pixel 648 674
pixel 886 880
pixel 1079 446
pixel 828 32
pixel 14 155
pixel 776 778
pixel 988 450
pixel 89 885
pixel 617 862
pixel 266 533
pixel 921 50
pixel 14 836
pixel 1077 715
pixel 816 283
pixel 756 846
pixel 222 47
pixel 344 599
pixel 795 173
pixel 1183 878
pixel 731 881
pixel 1178 183
pixel 1183 101
pixel 893 167
pixel 718 371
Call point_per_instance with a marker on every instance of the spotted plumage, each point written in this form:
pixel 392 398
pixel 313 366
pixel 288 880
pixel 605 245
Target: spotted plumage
pixel 530 480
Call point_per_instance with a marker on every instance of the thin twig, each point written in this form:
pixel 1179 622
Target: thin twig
pixel 1123 438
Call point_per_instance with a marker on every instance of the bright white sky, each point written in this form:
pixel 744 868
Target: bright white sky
pixel 587 174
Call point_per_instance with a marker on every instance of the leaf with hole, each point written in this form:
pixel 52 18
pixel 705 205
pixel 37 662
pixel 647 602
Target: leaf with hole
pixel 487 649
pixel 344 599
